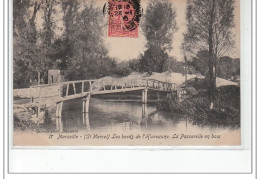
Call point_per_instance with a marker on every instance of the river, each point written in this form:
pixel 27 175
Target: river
pixel 126 115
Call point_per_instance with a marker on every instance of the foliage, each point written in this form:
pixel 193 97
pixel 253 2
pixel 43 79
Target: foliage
pixel 226 112
pixel 228 68
pixel 199 62
pixel 209 29
pixel 209 24
pixel 32 48
pixel 24 44
pixel 173 65
pixel 134 65
pixel 123 69
pixel 153 60
pixel 78 52
pixel 158 26
pixel 87 57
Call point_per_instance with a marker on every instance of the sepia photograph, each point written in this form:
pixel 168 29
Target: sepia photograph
pixel 126 73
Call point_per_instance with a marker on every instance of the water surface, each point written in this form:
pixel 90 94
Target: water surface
pixel 127 115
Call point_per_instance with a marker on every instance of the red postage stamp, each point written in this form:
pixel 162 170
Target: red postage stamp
pixel 123 18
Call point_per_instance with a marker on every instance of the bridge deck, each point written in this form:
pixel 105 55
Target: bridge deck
pixel 49 94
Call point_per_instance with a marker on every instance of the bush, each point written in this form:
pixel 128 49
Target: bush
pixel 226 109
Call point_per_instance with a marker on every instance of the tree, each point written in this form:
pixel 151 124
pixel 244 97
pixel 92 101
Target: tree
pixel 87 55
pixel 198 62
pixel 153 60
pixel 46 51
pixel 32 48
pixel 173 65
pixel 158 27
pixel 228 67
pixel 209 28
pixel 25 42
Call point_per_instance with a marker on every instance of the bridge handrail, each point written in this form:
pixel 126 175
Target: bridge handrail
pixel 156 84
pixel 163 82
pixel 61 83
pixel 80 81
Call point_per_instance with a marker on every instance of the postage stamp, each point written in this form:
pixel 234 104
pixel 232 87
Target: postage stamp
pixel 123 18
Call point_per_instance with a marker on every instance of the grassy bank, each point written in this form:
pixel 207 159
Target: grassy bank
pixel 226 109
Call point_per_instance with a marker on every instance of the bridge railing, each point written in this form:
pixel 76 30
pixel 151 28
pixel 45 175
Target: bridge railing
pixel 164 86
pixel 82 87
pixel 40 93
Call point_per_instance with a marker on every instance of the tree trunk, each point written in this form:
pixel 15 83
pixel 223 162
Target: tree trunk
pixel 211 58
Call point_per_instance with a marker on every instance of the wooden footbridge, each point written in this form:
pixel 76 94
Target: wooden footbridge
pixel 46 95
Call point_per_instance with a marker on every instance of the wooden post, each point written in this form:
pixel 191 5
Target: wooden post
pixel 144 95
pixel 144 110
pixel 82 87
pixel 85 104
pixel 60 118
pixel 59 125
pixel 90 86
pixel 67 89
pixel 158 96
pixel 74 88
pixel 59 109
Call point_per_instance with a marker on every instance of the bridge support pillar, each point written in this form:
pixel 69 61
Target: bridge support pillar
pixel 85 117
pixel 144 114
pixel 85 111
pixel 85 104
pixel 144 95
pixel 59 124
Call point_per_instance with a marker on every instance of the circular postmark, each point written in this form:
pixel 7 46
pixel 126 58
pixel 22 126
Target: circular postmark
pixel 127 13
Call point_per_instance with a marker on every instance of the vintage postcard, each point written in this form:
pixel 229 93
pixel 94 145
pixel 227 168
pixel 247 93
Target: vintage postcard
pixel 126 73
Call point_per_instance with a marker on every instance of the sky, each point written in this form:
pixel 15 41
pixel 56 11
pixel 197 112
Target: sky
pixel 124 49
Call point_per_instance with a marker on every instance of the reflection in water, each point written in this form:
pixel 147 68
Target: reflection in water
pixel 112 115
pixel 59 124
pixel 144 114
pixel 85 120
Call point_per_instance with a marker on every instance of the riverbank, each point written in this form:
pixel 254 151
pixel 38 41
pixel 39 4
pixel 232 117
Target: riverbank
pixel 226 110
